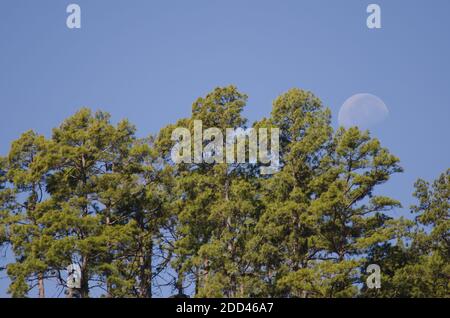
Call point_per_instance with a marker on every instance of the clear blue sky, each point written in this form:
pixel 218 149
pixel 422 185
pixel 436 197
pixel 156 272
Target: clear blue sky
pixel 149 60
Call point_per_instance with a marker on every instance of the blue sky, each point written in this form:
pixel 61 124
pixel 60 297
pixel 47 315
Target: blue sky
pixel 149 60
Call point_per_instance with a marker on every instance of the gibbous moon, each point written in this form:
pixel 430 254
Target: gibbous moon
pixel 363 111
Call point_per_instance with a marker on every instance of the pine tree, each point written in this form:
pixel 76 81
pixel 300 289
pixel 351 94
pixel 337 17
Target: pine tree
pixel 135 194
pixel 284 240
pixel 85 150
pixel 418 265
pixel 321 213
pixel 5 197
pixel 433 212
pixel 25 232
pixel 352 218
pixel 214 207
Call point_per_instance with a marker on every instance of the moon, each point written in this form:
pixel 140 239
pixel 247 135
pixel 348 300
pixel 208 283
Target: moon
pixel 362 110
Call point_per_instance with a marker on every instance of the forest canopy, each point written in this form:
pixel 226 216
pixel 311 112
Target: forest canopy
pixel 96 195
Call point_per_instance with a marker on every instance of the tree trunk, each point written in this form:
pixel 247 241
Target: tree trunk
pixel 41 285
pixel 145 270
pixel 110 260
pixel 84 291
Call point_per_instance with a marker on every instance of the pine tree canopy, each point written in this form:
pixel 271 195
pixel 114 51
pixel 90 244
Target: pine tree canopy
pixel 96 195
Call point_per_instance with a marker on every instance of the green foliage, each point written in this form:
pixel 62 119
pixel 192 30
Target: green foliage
pixel 96 195
pixel 419 266
pixel 321 214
